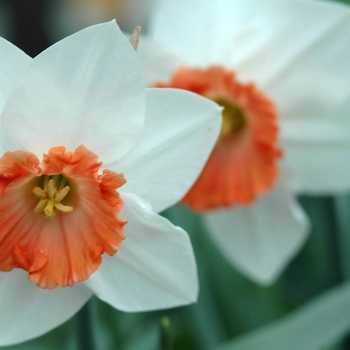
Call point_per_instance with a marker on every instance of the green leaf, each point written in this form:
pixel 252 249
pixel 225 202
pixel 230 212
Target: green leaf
pixel 318 324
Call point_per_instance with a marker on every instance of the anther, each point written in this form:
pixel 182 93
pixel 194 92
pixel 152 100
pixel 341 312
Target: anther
pixel 41 205
pixel 39 192
pixel 49 209
pixel 51 189
pixel 62 193
pixel 50 198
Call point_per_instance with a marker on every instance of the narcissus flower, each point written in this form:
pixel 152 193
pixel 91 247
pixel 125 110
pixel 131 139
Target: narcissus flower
pixel 244 162
pixel 88 158
pixel 280 70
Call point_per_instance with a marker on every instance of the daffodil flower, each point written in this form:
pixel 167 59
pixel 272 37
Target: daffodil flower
pixel 280 70
pixel 89 155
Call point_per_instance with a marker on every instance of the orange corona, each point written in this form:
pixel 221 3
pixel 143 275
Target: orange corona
pixel 58 217
pixel 243 163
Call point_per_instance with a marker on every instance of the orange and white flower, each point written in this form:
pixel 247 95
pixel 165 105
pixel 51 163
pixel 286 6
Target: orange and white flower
pixel 280 69
pixel 89 155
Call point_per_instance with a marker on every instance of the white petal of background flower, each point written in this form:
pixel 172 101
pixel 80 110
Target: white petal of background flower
pixel 180 131
pixel 86 89
pixel 260 239
pixel 158 62
pixel 320 151
pixel 28 311
pixel 200 28
pixel 154 269
pixel 296 51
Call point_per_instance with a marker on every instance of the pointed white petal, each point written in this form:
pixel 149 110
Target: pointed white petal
pixel 13 63
pixel 86 89
pixel 260 239
pixel 27 311
pixel 155 267
pixel 180 131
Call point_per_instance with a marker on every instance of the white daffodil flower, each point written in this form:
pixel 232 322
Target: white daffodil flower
pixel 89 156
pixel 281 71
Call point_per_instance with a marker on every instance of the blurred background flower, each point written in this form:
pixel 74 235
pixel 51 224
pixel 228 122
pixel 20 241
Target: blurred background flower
pixel 295 52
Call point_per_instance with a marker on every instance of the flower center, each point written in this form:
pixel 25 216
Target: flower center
pixel 244 161
pixel 233 118
pixel 69 247
pixel 52 191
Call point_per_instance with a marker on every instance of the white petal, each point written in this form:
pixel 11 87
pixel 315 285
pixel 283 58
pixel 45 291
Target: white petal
pixel 155 267
pixel 298 53
pixel 302 67
pixel 201 28
pixel 27 311
pixel 180 131
pixel 86 89
pixel 319 151
pixel 158 62
pixel 262 238
pixel 13 63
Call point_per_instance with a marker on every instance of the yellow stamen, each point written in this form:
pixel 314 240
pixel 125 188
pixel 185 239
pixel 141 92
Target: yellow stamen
pixel 50 197
pixel 51 189
pixel 41 205
pixel 62 193
pixel 39 192
pixel 63 208
pixel 49 209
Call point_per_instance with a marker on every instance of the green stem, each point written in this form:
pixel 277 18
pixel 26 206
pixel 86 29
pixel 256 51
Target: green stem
pixel 165 337
pixel 85 331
